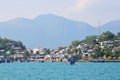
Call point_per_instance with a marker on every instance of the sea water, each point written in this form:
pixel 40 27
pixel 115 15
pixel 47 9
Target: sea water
pixel 59 71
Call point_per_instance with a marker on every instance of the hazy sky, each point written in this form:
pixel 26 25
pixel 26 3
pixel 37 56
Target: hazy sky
pixel 90 11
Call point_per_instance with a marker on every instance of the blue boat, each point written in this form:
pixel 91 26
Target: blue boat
pixel 72 62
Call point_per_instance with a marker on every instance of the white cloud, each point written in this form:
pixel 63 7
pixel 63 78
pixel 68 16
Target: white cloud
pixel 91 11
pixel 78 7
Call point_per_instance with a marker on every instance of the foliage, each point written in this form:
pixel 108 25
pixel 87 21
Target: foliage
pixel 119 58
pixel 90 39
pixel 118 35
pixel 26 54
pixel 107 36
pixel 109 57
pixel 95 56
pixel 75 43
pixel 8 44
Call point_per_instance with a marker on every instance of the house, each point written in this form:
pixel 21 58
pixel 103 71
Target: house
pixel 41 51
pixel 107 44
pixel 2 50
pixel 17 50
pixel 48 58
pixel 18 57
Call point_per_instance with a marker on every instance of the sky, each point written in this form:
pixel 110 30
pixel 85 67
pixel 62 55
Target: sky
pixel 89 11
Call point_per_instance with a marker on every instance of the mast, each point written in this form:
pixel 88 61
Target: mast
pixel 99 28
pixel 99 31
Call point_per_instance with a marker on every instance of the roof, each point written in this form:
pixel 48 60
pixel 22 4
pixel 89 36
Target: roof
pixel 17 48
pixel 18 55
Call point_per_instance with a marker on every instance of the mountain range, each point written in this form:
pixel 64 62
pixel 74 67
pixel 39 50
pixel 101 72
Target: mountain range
pixel 51 31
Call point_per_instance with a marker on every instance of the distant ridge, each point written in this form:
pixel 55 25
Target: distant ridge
pixel 113 26
pixel 50 30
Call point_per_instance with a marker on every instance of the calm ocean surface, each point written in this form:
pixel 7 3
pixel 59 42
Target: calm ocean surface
pixel 59 71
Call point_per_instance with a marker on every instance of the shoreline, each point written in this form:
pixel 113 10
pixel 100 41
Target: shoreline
pixel 94 61
pixel 99 61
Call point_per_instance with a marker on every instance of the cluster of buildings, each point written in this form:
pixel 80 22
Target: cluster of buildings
pixel 62 54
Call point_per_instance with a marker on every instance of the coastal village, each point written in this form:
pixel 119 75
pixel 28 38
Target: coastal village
pixel 99 51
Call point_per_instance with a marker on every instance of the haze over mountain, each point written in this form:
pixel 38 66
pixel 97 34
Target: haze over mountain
pixel 113 26
pixel 50 30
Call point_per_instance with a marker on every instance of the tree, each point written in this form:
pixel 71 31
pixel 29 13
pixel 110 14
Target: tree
pixel 118 35
pixel 37 52
pixel 8 44
pixel 109 57
pixel 90 39
pixel 26 54
pixel 75 43
pixel 107 36
pixel 95 56
pixel 119 58
pixel 47 51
